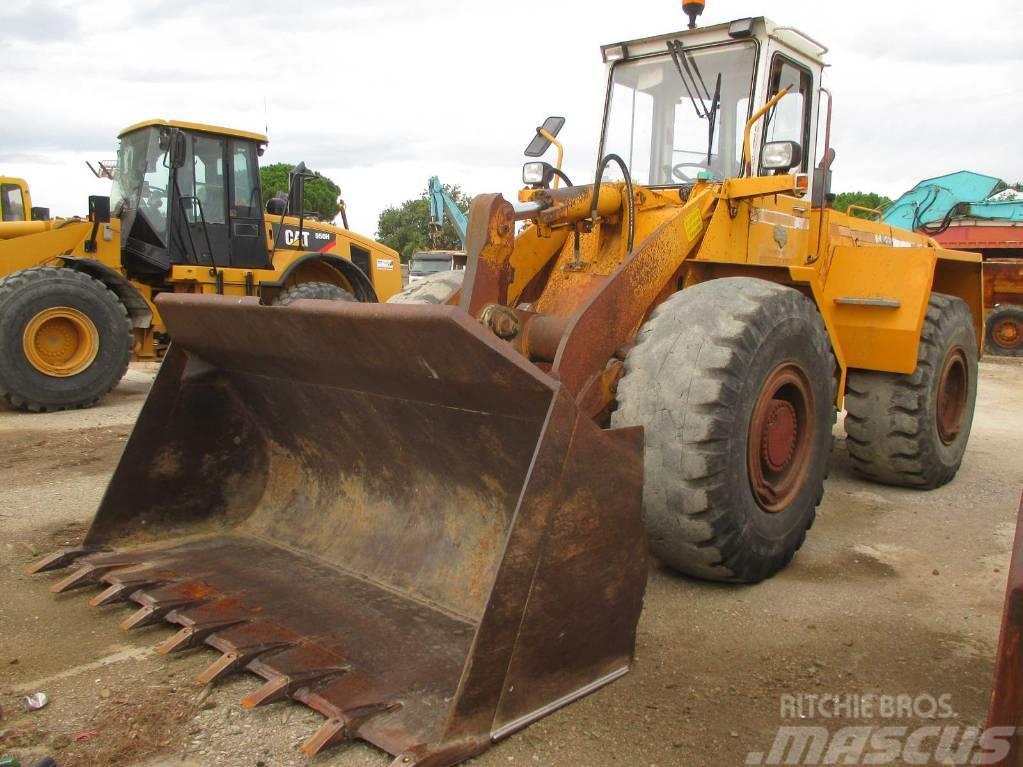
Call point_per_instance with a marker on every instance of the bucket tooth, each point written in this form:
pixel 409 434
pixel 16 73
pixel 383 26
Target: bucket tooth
pixel 62 558
pixel 121 590
pixel 156 604
pixel 233 661
pixel 279 687
pixel 89 572
pixel 290 670
pixel 341 728
pixel 148 615
pixel 195 633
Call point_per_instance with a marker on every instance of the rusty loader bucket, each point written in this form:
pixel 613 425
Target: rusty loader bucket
pixel 383 511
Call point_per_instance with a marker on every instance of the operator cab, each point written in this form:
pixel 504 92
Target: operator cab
pixel 677 104
pixel 189 194
pixel 14 202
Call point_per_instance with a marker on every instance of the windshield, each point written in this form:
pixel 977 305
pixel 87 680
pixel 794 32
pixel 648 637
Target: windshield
pixel 420 265
pixel 667 113
pixel 140 180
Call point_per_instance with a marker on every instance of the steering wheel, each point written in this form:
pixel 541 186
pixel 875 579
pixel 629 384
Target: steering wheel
pixel 677 174
pixel 152 194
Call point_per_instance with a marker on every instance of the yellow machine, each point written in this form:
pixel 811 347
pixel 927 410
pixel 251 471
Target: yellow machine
pixel 77 296
pixel 463 490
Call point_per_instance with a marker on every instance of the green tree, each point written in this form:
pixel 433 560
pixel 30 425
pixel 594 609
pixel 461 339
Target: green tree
pixel 406 227
pixel 321 194
pixel 863 199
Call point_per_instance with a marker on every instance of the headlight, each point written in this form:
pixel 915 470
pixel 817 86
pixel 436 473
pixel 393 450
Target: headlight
pixel 781 155
pixel 533 173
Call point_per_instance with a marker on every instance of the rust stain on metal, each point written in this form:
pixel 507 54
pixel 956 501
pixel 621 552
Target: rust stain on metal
pixel 393 549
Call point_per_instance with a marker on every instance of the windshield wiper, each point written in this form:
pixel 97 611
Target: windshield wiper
pixel 712 119
pixel 682 61
pixel 692 80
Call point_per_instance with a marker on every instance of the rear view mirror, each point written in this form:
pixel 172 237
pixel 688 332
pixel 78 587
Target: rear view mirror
pixel 99 209
pixel 296 190
pixel 541 143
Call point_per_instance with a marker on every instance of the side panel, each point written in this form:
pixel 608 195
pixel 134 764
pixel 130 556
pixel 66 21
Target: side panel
pixel 875 298
pixel 960 274
pixel 288 244
pixel 60 238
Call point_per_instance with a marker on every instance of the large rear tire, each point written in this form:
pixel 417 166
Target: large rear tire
pixel 65 339
pixel 434 289
pixel 1003 331
pixel 317 291
pixel 912 430
pixel 733 381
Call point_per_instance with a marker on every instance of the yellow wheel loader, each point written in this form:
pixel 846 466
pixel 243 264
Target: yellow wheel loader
pixel 428 520
pixel 77 296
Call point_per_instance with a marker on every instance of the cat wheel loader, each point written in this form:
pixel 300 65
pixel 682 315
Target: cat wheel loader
pixel 77 296
pixel 440 535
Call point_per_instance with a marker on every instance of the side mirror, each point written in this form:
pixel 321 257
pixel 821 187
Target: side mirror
pixel 540 142
pixel 781 155
pixel 177 149
pixel 296 190
pixel 99 209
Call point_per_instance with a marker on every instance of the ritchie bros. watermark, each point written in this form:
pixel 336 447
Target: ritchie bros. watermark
pixel 888 733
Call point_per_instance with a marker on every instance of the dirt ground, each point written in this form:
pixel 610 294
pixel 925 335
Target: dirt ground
pixel 895 592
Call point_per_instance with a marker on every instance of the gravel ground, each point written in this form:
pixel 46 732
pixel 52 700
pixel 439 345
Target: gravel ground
pixel 895 592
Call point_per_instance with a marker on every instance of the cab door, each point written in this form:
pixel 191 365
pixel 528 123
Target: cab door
pixel 245 212
pixel 202 185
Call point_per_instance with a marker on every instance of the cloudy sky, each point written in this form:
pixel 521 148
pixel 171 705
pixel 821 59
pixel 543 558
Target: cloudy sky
pixel 381 94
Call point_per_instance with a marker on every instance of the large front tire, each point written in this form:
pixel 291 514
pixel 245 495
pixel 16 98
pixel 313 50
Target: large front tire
pixel 65 339
pixel 316 291
pixel 733 381
pixel 912 430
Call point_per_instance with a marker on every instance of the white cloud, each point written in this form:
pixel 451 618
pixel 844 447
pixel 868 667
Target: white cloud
pixel 381 95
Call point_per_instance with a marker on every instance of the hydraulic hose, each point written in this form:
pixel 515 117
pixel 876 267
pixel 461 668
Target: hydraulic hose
pixel 604 162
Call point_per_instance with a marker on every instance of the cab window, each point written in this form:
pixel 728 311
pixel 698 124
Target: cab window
pixel 790 118
pixel 12 203
pixel 208 178
pixel 245 201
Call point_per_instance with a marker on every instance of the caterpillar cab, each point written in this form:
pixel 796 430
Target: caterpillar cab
pixel 441 536
pixel 77 296
pixel 188 195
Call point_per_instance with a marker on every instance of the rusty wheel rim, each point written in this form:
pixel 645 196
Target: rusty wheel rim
pixel 1007 333
pixel 953 387
pixel 781 435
